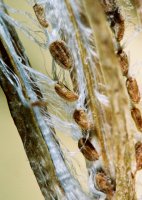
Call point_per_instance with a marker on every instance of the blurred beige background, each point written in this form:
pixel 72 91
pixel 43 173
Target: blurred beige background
pixel 17 181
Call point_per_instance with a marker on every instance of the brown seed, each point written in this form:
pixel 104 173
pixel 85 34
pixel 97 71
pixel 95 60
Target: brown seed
pixel 40 14
pixel 88 149
pixel 121 29
pixel 133 90
pixel 138 150
pixel 81 119
pixel 136 115
pixel 39 104
pixel 65 93
pixel 62 55
pixel 124 64
pixel 105 184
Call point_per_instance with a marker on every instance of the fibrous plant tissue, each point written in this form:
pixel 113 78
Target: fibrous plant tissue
pixel 89 93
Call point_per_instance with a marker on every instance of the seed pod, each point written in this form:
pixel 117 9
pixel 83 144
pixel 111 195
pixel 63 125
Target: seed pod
pixel 62 55
pixel 136 115
pixel 40 14
pixel 133 90
pixel 65 93
pixel 104 184
pixel 88 149
pixel 124 64
pixel 81 119
pixel 138 150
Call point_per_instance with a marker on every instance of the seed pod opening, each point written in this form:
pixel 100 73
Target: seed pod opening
pixel 138 150
pixel 104 184
pixel 88 150
pixel 81 118
pixel 133 90
pixel 124 64
pixel 61 54
pixel 65 93
pixel 136 115
pixel 40 14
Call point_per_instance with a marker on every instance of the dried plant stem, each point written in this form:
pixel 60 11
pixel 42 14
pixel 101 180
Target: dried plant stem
pixel 118 99
pixel 90 86
pixel 61 182
pixel 23 116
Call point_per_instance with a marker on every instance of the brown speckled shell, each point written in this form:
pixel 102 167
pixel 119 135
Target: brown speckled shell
pixel 88 150
pixel 40 14
pixel 65 93
pixel 138 150
pixel 121 29
pixel 81 118
pixel 104 183
pixel 136 115
pixel 124 64
pixel 133 90
pixel 62 55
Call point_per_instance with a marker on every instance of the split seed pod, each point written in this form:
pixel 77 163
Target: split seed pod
pixel 65 93
pixel 133 90
pixel 88 150
pixel 138 150
pixel 61 54
pixel 124 64
pixel 40 14
pixel 104 184
pixel 81 119
pixel 136 115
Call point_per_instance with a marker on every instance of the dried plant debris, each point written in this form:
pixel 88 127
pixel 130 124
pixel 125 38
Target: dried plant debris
pixel 81 118
pixel 115 19
pixel 62 54
pixel 138 150
pixel 124 63
pixel 88 150
pixel 136 115
pixel 133 89
pixel 65 92
pixel 40 14
pixel 105 184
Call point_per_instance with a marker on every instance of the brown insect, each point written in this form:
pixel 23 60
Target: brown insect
pixel 136 115
pixel 62 55
pixel 123 59
pixel 80 117
pixel 138 150
pixel 65 93
pixel 105 184
pixel 88 150
pixel 40 14
pixel 133 90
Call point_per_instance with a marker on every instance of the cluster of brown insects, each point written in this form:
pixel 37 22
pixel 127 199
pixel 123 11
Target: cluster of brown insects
pixel 62 55
pixel 116 19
